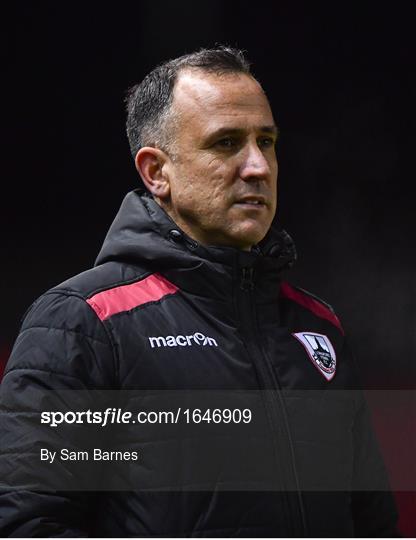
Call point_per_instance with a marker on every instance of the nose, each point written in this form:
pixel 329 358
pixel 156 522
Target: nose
pixel 255 165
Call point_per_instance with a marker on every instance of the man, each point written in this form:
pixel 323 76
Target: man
pixel 187 295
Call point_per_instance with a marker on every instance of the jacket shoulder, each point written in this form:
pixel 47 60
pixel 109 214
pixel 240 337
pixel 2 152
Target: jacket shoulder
pixel 66 305
pixel 102 277
pixel 310 302
pixel 61 332
pixel 113 288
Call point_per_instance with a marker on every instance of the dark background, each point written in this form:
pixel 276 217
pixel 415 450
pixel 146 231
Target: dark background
pixel 341 81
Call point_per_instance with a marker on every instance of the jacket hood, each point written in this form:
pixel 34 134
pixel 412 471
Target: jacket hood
pixel 143 234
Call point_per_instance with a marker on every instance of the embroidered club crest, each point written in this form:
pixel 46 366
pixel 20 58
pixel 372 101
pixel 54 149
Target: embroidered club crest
pixel 320 351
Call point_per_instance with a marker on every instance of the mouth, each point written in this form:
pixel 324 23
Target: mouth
pixel 252 201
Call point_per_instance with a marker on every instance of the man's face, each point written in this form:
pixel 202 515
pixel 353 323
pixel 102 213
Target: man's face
pixel 223 177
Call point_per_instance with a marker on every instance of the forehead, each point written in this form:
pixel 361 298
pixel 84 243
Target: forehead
pixel 205 100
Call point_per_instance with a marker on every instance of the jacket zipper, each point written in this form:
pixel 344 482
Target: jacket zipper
pixel 274 403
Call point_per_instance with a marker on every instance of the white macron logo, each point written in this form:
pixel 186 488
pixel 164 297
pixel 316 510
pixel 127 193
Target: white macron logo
pixel 183 341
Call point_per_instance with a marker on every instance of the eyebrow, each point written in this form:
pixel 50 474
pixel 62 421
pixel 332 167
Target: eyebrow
pixel 272 129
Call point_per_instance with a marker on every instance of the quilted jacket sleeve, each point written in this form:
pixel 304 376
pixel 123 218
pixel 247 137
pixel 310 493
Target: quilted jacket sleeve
pixel 62 347
pixel 373 505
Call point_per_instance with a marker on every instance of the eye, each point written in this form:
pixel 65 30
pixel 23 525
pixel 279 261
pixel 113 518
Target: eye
pixel 266 142
pixel 227 143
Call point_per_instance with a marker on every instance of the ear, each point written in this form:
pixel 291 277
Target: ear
pixel 150 165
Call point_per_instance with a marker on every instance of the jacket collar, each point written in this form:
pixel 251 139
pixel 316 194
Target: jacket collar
pixel 143 235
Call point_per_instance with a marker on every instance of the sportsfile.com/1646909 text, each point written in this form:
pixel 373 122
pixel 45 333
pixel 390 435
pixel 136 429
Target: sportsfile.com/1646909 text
pixel 113 415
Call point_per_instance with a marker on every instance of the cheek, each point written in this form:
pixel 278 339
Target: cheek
pixel 207 204
pixel 204 186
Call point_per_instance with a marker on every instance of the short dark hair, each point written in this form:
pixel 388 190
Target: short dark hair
pixel 148 103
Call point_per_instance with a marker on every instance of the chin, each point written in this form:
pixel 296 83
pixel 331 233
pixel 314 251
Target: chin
pixel 249 238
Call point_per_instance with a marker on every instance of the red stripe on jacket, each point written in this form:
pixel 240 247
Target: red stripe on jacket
pixel 126 297
pixel 310 303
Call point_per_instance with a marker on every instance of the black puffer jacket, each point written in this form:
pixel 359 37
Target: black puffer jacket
pixel 161 313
